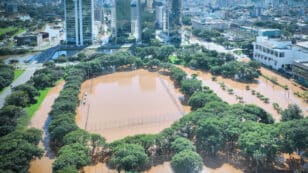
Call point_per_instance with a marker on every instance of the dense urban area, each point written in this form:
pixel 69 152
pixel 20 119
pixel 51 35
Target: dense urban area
pixel 154 86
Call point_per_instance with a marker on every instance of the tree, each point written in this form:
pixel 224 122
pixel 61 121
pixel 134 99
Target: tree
pixel 18 98
pixel 187 161
pixel 153 63
pixel 209 135
pixel 29 89
pixel 197 100
pixel 41 81
pixel 294 135
pixel 177 74
pixel 291 113
pixel 97 141
pixel 181 144
pixel 130 157
pixel 76 136
pixel 63 128
pixel 16 153
pixel 190 86
pixel 259 139
pixel 75 155
pixel 68 169
pixel 8 118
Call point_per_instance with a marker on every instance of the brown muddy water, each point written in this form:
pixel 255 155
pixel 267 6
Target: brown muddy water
pixel 275 93
pixel 163 168
pixel 128 103
pixel 40 121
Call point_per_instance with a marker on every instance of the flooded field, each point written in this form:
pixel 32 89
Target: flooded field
pixel 40 121
pixel 128 103
pixel 275 93
pixel 163 168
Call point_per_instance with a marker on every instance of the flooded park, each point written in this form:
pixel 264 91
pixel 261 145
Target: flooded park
pixel 128 103
pixel 274 93
pixel 142 102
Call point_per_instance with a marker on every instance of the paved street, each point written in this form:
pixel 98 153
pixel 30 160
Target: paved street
pixel 30 69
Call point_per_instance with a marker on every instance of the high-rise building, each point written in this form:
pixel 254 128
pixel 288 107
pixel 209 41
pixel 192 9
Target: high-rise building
pixel 114 20
pixel 175 7
pixel 162 17
pixel 135 19
pixel 79 22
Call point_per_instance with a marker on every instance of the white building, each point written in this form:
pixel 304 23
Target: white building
pixel 276 53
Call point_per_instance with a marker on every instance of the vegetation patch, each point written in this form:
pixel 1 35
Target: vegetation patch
pixel 33 108
pixel 18 73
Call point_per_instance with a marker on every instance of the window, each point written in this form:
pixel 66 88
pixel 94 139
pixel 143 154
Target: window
pixel 281 55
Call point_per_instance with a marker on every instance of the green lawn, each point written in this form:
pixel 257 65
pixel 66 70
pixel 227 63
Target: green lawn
pixel 10 29
pixel 23 122
pixel 17 73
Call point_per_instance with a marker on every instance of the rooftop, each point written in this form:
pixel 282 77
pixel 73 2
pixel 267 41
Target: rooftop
pixel 274 43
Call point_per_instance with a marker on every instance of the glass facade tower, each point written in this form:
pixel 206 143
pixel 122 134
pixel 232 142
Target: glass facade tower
pixel 79 18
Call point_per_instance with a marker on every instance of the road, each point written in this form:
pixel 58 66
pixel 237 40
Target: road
pixel 27 74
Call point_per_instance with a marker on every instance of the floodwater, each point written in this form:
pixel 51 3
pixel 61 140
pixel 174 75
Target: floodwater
pixel 21 58
pixel 163 168
pixel 40 121
pixel 275 93
pixel 128 103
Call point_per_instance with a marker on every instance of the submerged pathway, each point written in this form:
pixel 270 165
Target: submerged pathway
pixel 41 121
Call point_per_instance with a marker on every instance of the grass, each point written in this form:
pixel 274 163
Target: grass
pixel 174 59
pixel 23 122
pixel 10 29
pixel 18 73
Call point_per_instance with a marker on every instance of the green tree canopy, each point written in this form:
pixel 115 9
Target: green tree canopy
pixel 291 113
pixel 128 157
pixel 180 144
pixel 187 161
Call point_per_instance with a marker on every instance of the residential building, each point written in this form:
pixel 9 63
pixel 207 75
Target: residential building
pixel 79 22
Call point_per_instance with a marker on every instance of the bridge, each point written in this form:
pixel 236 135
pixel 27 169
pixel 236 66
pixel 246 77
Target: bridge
pixel 45 55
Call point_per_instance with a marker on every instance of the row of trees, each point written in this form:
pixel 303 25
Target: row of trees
pixel 75 147
pixel 6 75
pixel 218 63
pixel 18 146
